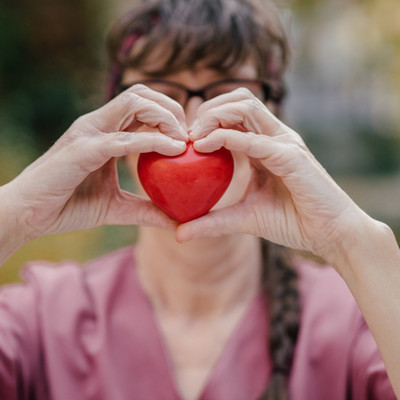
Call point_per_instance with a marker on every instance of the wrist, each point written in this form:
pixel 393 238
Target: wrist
pixel 366 246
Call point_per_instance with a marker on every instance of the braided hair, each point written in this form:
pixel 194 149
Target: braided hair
pixel 280 286
pixel 221 34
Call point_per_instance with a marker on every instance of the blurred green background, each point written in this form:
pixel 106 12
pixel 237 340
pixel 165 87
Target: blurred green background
pixel 344 97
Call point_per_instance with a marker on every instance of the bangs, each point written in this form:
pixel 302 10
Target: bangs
pixel 208 35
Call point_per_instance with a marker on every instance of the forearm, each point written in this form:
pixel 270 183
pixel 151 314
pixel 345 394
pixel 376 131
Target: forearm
pixel 369 261
pixel 12 232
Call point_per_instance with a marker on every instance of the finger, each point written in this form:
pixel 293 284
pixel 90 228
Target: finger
pixel 75 156
pixel 92 153
pixel 249 115
pixel 161 99
pixel 216 223
pixel 130 209
pixel 127 108
pixel 119 144
pixel 230 97
pixel 283 155
pixel 248 143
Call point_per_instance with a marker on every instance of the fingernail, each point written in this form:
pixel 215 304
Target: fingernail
pixel 199 143
pixel 180 145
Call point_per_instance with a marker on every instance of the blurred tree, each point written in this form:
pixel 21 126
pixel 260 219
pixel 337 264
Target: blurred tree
pixel 52 67
pixel 49 60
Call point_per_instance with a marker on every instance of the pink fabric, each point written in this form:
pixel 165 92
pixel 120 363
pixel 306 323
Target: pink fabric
pixel 73 333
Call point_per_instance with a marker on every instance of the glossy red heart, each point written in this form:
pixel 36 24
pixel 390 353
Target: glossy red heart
pixel 186 186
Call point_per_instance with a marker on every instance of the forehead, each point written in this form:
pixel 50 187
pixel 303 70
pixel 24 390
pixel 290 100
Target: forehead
pixel 195 77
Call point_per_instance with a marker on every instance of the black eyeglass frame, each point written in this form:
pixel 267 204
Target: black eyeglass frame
pixel 270 93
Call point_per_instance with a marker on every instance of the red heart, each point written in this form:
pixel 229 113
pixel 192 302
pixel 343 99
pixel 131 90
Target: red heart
pixel 186 186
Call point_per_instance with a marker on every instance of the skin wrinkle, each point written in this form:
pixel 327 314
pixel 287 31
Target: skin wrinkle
pixel 194 291
pixel 165 101
pixel 139 106
pixel 285 220
pixel 252 105
pixel 224 272
pixel 216 115
pixel 151 141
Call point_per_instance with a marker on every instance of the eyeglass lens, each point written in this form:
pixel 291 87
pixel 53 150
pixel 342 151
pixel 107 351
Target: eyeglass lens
pixel 181 94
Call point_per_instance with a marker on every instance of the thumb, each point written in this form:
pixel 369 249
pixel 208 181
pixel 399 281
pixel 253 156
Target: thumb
pixel 214 224
pixel 129 209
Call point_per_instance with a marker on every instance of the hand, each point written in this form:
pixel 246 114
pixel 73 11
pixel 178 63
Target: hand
pixel 291 200
pixel 74 185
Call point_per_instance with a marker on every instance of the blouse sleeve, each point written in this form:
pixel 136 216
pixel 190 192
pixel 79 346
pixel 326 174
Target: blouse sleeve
pixel 19 344
pixel 369 379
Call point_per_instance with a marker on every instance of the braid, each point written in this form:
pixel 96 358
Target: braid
pixel 280 283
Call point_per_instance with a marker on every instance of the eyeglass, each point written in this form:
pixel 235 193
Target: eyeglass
pixel 263 90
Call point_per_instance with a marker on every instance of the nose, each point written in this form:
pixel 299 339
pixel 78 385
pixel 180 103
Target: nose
pixel 191 108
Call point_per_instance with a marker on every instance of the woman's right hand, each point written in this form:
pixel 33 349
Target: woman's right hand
pixel 74 185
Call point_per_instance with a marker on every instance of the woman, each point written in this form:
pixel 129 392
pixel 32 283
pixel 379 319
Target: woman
pixel 215 308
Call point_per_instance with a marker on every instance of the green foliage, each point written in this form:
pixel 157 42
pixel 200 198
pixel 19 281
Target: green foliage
pixel 46 53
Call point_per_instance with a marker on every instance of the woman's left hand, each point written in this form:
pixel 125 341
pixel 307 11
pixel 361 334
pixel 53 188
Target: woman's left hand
pixel 291 199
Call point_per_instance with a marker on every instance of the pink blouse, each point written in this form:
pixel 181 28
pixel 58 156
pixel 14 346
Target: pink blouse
pixel 73 333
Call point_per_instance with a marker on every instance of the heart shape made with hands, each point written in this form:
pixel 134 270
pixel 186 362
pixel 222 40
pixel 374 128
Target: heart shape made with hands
pixel 186 186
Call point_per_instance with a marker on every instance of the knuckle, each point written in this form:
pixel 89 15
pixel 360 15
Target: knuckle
pixel 212 113
pixel 82 119
pixel 128 97
pixel 251 104
pixel 295 139
pixel 203 108
pixel 292 150
pixel 213 118
pixel 72 135
pixel 296 151
pixel 174 108
pixel 124 99
pixel 82 122
pixel 177 109
pixel 123 103
pixel 165 117
pixel 299 141
pixel 80 139
pixel 244 92
pixel 138 88
pixel 126 103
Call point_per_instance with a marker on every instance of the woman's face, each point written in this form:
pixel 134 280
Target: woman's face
pixel 195 79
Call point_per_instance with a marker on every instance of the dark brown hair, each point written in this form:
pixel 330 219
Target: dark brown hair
pixel 280 286
pixel 173 35
pixel 159 37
